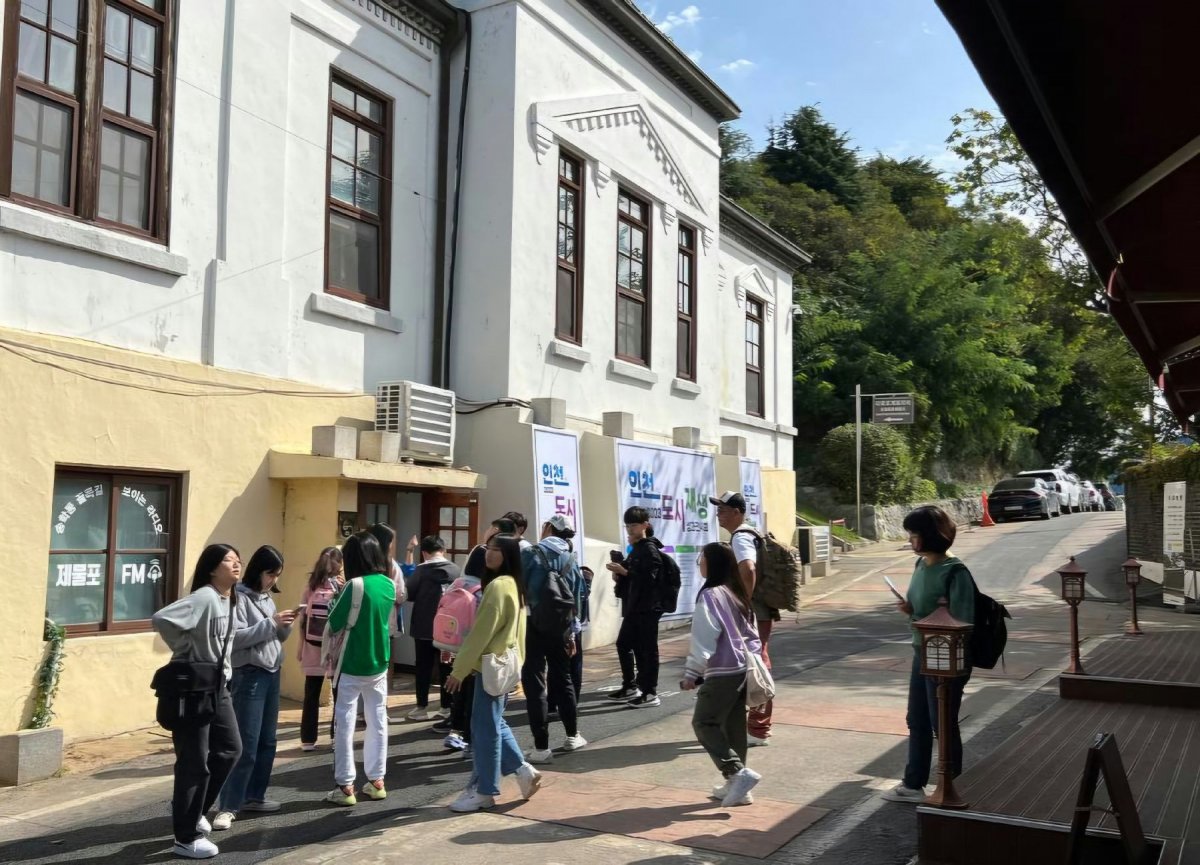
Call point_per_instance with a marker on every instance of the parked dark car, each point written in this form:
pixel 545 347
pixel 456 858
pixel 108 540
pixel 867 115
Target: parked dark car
pixel 1023 497
pixel 1110 500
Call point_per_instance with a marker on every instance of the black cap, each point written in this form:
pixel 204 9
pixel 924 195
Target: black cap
pixel 734 500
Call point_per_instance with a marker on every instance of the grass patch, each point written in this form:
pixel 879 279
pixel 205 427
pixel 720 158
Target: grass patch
pixel 815 517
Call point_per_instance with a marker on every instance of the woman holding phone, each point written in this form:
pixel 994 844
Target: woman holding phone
pixel 257 657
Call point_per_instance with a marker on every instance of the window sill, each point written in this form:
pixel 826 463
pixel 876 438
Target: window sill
pixel 564 350
pixel 63 231
pixel 631 372
pixel 360 313
pixel 787 430
pixel 684 387
pixel 748 421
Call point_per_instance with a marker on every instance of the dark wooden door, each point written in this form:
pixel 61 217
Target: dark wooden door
pixel 455 518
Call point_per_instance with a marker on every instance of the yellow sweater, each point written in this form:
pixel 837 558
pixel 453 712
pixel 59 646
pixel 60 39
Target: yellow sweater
pixel 500 623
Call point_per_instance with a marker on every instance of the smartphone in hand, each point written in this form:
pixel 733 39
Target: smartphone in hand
pixel 616 556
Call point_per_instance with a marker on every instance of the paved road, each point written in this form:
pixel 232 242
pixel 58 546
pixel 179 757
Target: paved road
pixel 134 827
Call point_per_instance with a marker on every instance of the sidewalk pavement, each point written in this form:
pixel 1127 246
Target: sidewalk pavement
pixel 640 796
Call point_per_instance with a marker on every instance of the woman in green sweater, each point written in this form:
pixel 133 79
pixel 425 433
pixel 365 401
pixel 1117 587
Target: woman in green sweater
pixel 499 625
pixel 937 575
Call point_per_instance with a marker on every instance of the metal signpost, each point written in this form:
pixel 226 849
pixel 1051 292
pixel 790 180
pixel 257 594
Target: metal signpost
pixel 891 408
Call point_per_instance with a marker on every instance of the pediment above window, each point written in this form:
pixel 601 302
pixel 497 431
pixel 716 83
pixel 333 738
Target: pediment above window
pixel 618 133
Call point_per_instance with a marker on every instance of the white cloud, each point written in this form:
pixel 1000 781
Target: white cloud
pixel 695 56
pixel 738 66
pixel 688 17
pixel 810 84
pixel 926 29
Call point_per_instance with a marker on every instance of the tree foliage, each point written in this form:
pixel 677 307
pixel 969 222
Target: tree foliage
pixel 888 474
pixel 968 292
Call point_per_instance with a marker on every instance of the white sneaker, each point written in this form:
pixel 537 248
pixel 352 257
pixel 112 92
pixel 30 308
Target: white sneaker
pixel 419 714
pixel 202 825
pixel 574 743
pixel 201 848
pixel 529 780
pixel 308 746
pixel 720 791
pixel 470 801
pixel 908 795
pixel 540 757
pixel 756 742
pixel 222 821
pixel 265 806
pixel 740 786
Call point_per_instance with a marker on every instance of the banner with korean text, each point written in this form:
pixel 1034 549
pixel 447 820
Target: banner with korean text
pixel 674 485
pixel 556 482
pixel 751 472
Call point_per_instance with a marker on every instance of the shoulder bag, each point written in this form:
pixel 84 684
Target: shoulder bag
pixel 188 691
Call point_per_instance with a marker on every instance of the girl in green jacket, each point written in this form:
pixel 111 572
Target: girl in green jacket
pixel 499 625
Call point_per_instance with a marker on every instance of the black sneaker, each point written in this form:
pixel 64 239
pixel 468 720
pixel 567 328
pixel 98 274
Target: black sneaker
pixel 625 694
pixel 645 701
pixel 442 727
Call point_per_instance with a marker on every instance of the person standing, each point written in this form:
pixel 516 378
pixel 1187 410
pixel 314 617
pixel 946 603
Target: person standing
pixel 548 650
pixel 366 656
pixel 499 626
pixel 257 657
pixel 747 544
pixel 386 536
pixel 324 583
pixel 636 579
pixel 724 635
pixel 425 587
pixel 199 628
pixel 938 576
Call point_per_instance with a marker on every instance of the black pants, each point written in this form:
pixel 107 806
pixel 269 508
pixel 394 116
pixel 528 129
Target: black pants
pixel 204 756
pixel 576 675
pixel 637 645
pixel 428 658
pixel 310 711
pixel 546 662
pixel 460 709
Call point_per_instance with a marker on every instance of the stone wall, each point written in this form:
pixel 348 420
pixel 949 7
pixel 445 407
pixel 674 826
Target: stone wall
pixel 884 521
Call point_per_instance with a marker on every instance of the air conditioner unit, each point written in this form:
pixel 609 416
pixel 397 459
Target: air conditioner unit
pixel 422 415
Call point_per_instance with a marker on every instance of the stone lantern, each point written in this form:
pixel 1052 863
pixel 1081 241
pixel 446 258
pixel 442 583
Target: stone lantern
pixel 1074 579
pixel 944 655
pixel 1133 576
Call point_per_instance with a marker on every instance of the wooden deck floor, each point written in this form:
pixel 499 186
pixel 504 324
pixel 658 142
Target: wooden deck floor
pixel 1023 794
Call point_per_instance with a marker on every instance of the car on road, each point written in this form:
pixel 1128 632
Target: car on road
pixel 1059 481
pixel 1093 500
pixel 1019 497
pixel 1110 500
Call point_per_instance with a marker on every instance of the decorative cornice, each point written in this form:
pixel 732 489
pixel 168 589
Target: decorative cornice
pixel 406 19
pixel 601 175
pixel 669 217
pixel 543 141
pixel 706 239
pixel 759 237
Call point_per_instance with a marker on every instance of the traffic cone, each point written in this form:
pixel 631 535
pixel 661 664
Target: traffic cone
pixel 987 520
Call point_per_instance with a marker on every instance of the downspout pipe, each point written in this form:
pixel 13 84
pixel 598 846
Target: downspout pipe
pixel 442 302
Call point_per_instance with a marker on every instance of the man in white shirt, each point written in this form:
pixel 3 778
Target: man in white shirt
pixel 747 542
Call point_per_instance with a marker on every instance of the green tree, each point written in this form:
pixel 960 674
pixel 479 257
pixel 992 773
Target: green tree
pixel 807 149
pixel 916 188
pixel 888 475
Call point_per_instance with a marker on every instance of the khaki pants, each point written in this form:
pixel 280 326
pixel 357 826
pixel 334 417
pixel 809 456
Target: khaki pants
pixel 719 721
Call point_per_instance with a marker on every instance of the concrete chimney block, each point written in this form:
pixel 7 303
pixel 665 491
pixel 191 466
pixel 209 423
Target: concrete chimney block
pixel 618 424
pixel 378 446
pixel 686 437
pixel 733 446
pixel 550 411
pixel 340 442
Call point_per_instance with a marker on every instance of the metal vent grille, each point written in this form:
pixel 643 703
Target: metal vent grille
pixel 422 415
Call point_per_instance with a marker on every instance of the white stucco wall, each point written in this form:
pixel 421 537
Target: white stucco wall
pixel 246 251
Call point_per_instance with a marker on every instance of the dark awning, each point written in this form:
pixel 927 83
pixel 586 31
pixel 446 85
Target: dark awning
pixel 1105 98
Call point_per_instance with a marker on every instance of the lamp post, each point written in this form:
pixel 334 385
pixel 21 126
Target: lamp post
pixel 944 656
pixel 1073 578
pixel 1133 576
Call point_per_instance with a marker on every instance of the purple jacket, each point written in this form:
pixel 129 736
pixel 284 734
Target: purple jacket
pixel 722 634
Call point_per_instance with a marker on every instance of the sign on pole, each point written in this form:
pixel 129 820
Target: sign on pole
pixel 893 408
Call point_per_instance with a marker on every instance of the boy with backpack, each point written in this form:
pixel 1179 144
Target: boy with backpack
pixel 647 582
pixel 554 589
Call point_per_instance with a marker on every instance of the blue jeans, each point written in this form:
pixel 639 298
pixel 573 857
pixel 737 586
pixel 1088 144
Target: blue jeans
pixel 923 721
pixel 494 749
pixel 256 705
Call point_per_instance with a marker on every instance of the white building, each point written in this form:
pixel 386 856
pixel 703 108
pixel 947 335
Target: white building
pixel 223 224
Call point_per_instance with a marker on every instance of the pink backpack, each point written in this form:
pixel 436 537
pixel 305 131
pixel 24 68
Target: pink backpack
pixel 456 614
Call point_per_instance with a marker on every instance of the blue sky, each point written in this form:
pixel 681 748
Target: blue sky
pixel 888 72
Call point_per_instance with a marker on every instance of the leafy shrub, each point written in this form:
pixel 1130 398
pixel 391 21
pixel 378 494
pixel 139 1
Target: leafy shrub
pixel 888 474
pixel 923 490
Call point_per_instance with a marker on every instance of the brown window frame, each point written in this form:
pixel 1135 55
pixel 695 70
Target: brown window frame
pixel 562 265
pixel 627 294
pixel 89 115
pixel 383 221
pixel 756 314
pixel 686 290
pixel 116 478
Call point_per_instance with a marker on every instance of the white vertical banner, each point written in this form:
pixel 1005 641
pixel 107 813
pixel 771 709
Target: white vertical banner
pixel 751 474
pixel 674 485
pixel 556 479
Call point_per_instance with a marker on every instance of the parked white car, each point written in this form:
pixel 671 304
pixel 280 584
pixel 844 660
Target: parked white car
pixel 1095 499
pixel 1069 491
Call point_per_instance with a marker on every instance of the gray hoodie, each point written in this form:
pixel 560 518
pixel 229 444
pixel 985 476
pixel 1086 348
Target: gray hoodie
pixel 194 627
pixel 257 640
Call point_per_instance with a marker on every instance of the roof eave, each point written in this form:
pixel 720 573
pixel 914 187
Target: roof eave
pixel 741 222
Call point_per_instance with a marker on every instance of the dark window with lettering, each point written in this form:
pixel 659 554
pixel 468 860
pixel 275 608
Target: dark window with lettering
pixel 113 549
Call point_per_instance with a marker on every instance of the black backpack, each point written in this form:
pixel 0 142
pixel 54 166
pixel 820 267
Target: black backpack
pixel 670 581
pixel 555 609
pixel 990 634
